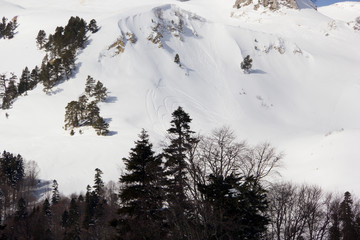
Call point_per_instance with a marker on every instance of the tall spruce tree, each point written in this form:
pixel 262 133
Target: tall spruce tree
pixel 177 155
pixel 347 218
pixel 55 198
pixel 142 196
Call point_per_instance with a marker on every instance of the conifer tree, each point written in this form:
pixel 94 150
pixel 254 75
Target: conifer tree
pixel 41 39
pixel 93 28
pixel 177 59
pixel 100 92
pixel 10 94
pixel 24 84
pixel 89 86
pixel 246 64
pixel 176 162
pixel 237 208
pixel 101 127
pixel 347 218
pixel 34 77
pixel 142 196
pixel 55 192
pixel 98 183
pixel 70 221
pixel 72 115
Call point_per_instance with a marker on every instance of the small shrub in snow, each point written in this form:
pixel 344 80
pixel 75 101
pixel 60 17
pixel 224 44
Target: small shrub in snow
pixel 177 59
pixel 246 64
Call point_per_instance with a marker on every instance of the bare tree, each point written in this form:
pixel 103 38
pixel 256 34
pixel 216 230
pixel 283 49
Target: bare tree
pixel 261 161
pixel 298 212
pixel 221 153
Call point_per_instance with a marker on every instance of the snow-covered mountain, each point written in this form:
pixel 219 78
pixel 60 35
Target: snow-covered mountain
pixel 302 95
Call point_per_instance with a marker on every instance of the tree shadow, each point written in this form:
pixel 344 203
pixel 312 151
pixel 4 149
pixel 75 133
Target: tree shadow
pixel 111 99
pixel 112 133
pixel 257 71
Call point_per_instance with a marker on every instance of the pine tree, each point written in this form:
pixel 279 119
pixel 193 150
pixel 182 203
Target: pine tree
pixel 93 28
pixel 70 221
pixel 92 113
pixel 347 218
pixel 246 64
pixel 72 115
pixel 176 163
pixel 34 77
pixel 177 59
pixel 12 169
pixel 100 92
pixel 24 84
pixel 142 196
pixel 101 127
pixel 237 208
pixel 55 192
pixel 68 63
pixel 82 104
pixel 98 183
pixel 41 39
pixel 89 86
pixel 10 94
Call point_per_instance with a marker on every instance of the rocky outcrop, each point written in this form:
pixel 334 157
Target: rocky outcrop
pixel 271 4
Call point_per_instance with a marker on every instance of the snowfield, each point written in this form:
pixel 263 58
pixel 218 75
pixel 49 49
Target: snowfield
pixel 303 94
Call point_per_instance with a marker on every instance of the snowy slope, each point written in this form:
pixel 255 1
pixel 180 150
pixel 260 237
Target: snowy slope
pixel 302 95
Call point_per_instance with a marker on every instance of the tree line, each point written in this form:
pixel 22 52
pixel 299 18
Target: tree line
pixel 57 65
pixel 196 187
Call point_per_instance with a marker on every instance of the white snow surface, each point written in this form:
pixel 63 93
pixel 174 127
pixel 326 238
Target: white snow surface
pixel 303 94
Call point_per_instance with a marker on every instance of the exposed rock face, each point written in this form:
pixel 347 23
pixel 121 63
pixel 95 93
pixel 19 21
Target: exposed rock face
pixel 272 4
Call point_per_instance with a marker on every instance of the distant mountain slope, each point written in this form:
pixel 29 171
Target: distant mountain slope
pixel 301 95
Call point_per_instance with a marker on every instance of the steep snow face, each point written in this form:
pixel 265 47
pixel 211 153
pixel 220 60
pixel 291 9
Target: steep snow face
pixel 300 95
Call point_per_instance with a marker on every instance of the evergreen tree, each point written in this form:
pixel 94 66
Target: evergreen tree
pixel 100 92
pixel 12 169
pixel 72 115
pixel 68 63
pixel 10 94
pixel 347 218
pixel 142 196
pixel 55 198
pixel 176 163
pixel 89 86
pixel 24 84
pixel 237 208
pixel 70 221
pixel 46 208
pixel 246 64
pixel 101 127
pixel 83 120
pixel 92 113
pixel 93 28
pixel 177 59
pixel 98 183
pixel 41 39
pixel 34 77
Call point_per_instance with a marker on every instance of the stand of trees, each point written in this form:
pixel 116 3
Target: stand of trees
pixel 58 63
pixel 197 187
pixel 85 111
